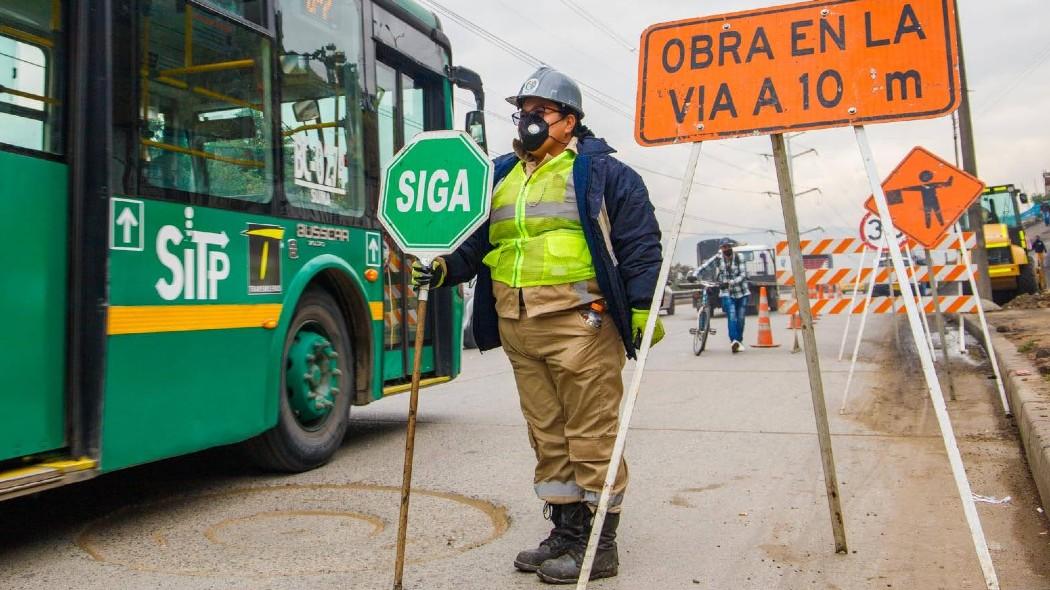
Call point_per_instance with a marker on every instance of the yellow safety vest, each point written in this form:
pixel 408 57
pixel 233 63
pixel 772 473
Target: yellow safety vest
pixel 536 230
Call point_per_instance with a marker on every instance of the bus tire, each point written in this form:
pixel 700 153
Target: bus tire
pixel 1026 282
pixel 316 389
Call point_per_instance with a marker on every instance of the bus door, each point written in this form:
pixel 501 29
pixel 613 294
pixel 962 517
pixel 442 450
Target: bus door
pixel 406 107
pixel 34 206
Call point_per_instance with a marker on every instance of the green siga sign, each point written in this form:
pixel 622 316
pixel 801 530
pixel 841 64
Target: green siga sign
pixel 436 191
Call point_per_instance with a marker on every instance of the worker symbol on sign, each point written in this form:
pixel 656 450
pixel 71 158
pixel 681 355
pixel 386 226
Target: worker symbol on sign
pixel 926 196
pixel 931 205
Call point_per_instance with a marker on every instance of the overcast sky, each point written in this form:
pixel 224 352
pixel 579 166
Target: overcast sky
pixel 1007 48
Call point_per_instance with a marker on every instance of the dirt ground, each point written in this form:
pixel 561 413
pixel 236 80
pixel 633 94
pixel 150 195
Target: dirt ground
pixel 1033 301
pixel 991 449
pixel 1029 329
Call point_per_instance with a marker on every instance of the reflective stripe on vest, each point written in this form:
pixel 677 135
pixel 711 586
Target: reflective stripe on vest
pixel 536 230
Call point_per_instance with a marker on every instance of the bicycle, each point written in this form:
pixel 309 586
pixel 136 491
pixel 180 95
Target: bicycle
pixel 702 302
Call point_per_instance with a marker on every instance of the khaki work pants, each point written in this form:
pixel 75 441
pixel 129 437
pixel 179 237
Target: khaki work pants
pixel 569 384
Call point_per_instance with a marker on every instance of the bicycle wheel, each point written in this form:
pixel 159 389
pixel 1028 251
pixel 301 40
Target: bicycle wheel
pixel 703 326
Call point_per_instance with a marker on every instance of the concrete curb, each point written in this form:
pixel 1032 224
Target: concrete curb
pixel 1031 409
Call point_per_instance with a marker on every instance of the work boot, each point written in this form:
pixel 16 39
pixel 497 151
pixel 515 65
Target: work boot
pixel 566 569
pixel 555 545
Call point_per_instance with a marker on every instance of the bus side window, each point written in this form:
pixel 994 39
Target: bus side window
pixel 30 69
pixel 386 81
pixel 321 128
pixel 205 105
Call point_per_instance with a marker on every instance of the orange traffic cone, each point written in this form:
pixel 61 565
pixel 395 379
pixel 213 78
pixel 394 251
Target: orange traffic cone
pixel 795 323
pixel 765 332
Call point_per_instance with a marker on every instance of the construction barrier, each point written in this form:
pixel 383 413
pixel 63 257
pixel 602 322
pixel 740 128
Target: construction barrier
pixel 949 304
pixel 857 246
pixel 838 276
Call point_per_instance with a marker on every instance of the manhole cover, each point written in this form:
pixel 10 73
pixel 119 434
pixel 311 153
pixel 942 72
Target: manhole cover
pixel 290 530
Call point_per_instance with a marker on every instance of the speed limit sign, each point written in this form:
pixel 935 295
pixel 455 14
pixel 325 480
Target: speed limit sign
pixel 871 232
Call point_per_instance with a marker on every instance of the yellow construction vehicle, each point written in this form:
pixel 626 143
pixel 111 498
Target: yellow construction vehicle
pixel 1011 266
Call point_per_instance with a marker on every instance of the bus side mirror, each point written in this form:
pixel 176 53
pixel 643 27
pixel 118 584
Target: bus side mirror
pixel 475 126
pixel 1024 198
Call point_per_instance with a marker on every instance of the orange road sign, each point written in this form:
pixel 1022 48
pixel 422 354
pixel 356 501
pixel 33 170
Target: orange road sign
pixel 927 195
pixel 804 66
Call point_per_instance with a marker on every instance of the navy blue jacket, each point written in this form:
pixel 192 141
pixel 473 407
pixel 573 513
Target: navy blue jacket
pixel 627 281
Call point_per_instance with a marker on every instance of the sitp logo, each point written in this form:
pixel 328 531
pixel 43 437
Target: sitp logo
pixel 264 258
pixel 194 258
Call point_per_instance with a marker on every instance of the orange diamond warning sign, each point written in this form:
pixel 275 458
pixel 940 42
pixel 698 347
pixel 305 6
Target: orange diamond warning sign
pixel 927 195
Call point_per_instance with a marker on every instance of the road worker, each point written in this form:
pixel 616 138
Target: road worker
pixel 733 290
pixel 567 266
pixel 1040 251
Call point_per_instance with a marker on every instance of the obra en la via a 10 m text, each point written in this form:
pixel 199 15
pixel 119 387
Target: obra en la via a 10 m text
pixel 803 37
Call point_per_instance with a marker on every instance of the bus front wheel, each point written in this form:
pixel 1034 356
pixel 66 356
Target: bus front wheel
pixel 316 386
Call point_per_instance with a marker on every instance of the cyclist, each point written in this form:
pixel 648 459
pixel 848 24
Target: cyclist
pixel 731 276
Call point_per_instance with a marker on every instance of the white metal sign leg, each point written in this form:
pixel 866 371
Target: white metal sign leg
pixel 984 324
pixel 853 299
pixel 918 298
pixel 860 333
pixel 933 385
pixel 639 369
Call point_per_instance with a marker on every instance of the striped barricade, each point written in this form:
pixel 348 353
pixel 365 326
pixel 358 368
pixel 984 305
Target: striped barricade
pixel 883 305
pixel 848 276
pixel 834 246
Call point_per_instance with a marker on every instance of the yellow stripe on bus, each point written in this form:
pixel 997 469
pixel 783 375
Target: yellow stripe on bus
pixel 396 389
pixel 377 310
pixel 150 319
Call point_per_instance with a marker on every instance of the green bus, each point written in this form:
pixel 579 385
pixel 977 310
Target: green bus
pixel 188 192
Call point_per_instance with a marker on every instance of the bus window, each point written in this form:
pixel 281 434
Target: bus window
pixel 413 107
pixel 31 67
pixel 321 105
pixel 205 103
pixel 251 10
pixel 386 83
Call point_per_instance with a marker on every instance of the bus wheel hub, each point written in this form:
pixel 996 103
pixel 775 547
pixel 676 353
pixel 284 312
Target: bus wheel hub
pixel 312 377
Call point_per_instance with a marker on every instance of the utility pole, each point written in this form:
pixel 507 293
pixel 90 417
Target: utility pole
pixel 969 161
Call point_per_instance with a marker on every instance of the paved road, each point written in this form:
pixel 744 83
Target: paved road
pixel 727 491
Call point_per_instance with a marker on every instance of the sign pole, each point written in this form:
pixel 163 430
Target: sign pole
pixel 914 278
pixel 639 369
pixel 941 331
pixel 984 322
pixel 933 385
pixel 424 226
pixel 809 338
pixel 853 299
pixel 410 436
pixel 860 334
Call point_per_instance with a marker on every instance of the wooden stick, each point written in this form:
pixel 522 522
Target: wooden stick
pixel 410 437
pixel 809 339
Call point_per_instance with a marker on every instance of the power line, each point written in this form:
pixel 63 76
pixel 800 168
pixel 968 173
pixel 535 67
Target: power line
pixel 524 56
pixel 505 119
pixel 1039 61
pixel 600 25
pixel 600 97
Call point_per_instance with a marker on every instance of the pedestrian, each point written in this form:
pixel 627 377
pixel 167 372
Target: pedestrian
pixel 731 276
pixel 1044 208
pixel 566 267
pixel 1040 251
